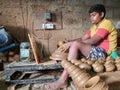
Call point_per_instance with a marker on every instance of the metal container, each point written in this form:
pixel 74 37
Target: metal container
pixel 25 51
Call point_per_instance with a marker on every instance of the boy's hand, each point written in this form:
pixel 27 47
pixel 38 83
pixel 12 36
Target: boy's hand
pixel 64 47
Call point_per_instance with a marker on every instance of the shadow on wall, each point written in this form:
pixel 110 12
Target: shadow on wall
pixel 18 33
pixel 21 35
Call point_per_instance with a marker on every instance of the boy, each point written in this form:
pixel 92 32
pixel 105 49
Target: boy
pixel 99 41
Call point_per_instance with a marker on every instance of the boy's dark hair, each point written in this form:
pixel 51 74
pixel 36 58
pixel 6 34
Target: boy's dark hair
pixel 99 8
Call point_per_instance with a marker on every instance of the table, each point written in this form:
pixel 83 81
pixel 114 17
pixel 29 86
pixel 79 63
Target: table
pixel 18 72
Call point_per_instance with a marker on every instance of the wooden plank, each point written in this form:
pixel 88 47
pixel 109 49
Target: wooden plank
pixel 34 48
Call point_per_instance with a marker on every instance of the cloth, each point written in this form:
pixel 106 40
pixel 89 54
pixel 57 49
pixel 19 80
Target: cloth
pixel 107 31
pixel 96 52
pixel 114 55
pixel 5 38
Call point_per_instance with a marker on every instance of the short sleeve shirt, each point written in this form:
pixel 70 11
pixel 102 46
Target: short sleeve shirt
pixel 107 31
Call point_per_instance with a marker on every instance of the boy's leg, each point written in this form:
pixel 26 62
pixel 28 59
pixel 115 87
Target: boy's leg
pixel 61 83
pixel 78 46
pixel 73 53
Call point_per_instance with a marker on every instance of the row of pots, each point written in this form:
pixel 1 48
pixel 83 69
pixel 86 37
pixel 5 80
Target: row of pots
pixel 99 65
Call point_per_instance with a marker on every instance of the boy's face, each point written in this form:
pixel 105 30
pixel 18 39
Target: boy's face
pixel 95 17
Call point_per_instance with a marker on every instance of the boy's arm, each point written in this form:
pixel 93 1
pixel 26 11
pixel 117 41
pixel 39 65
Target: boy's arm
pixel 98 37
pixel 86 36
pixel 92 40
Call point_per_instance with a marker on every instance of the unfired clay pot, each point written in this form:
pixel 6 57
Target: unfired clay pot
pixel 101 60
pixel 66 63
pixel 82 79
pixel 93 59
pixel 98 67
pixel 59 56
pixel 95 83
pixel 83 59
pixel 117 61
pixel 109 67
pixel 76 62
pixel 79 76
pixel 90 62
pixel 73 74
pixel 72 68
pixel 109 58
pixel 117 64
pixel 85 66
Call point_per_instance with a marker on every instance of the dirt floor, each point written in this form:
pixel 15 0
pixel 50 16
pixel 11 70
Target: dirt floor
pixel 111 78
pixel 35 86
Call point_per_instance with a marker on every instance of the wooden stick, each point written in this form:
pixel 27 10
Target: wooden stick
pixel 34 48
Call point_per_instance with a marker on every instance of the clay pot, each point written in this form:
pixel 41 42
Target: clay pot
pixel 90 62
pixel 59 56
pixel 72 69
pixel 65 63
pixel 101 60
pixel 79 76
pixel 91 83
pixel 85 66
pixel 117 66
pixel 76 62
pixel 95 83
pixel 83 59
pixel 82 79
pixel 117 60
pixel 98 67
pixel 76 74
pixel 93 59
pixel 109 58
pixel 109 67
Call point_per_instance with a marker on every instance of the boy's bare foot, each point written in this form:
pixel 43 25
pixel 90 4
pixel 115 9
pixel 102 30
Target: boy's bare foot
pixel 55 85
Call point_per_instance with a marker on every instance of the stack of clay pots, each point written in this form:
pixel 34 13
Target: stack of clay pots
pixel 60 53
pixel 80 77
pixel 109 64
pixel 95 83
pixel 83 79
